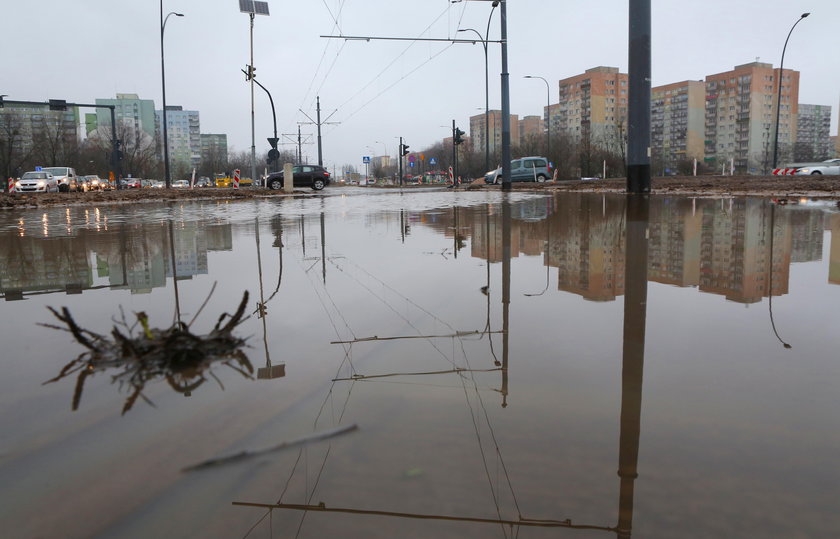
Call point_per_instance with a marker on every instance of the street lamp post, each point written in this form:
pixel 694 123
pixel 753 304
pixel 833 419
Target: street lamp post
pixel 779 96
pixel 163 20
pixel 547 115
pixel 486 87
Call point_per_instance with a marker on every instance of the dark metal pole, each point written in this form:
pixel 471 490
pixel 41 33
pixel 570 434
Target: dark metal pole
pixel 163 20
pixel 273 118
pixel 506 185
pixel 399 157
pixel 779 96
pixel 638 130
pixel 115 149
pixel 318 111
pixel 454 157
pixel 300 148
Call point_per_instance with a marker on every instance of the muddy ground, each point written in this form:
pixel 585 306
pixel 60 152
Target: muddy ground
pixel 788 187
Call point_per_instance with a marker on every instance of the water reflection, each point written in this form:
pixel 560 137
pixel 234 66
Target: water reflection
pixel 636 218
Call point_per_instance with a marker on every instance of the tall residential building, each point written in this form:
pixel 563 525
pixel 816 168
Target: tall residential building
pixel 740 117
pixel 183 133
pixel 530 127
pixel 813 130
pixel 214 148
pixel 677 122
pixel 36 134
pixel 130 111
pixel 477 134
pixel 594 104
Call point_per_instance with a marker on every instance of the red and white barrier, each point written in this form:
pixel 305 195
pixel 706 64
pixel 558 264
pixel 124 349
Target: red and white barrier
pixel 784 171
pixel 451 175
pixel 236 179
pixel 11 185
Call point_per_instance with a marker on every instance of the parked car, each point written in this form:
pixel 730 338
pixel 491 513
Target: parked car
pixel 181 184
pixel 65 176
pixel 36 182
pixel 313 176
pixel 526 169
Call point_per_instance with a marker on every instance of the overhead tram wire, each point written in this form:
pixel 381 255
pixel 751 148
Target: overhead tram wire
pixel 392 62
pixel 337 25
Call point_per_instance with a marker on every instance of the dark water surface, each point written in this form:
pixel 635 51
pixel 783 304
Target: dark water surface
pixel 551 366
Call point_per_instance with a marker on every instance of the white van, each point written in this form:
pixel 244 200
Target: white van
pixel 66 177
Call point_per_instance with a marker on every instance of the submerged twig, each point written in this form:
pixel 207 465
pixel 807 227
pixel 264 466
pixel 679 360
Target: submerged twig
pixel 285 445
pixel 174 354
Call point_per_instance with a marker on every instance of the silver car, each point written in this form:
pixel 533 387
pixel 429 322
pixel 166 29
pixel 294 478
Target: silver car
pixel 66 177
pixel 36 182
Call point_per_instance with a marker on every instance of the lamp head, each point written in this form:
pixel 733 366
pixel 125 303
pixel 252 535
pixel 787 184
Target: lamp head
pixel 804 15
pixel 178 14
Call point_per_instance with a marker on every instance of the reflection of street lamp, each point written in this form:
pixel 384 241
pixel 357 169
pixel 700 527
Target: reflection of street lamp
pixel 163 20
pixel 770 292
pixel 779 97
pixel 547 115
pixel 486 85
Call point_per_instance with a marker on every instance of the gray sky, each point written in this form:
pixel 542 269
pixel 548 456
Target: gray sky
pixel 381 90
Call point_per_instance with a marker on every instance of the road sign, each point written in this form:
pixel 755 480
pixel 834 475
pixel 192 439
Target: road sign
pixel 366 159
pixel 422 157
pixel 411 164
pixel 411 158
pixel 38 169
pixel 273 141
pixel 433 161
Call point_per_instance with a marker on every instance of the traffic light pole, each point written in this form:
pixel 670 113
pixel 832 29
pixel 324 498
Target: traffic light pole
pixel 400 158
pixel 454 155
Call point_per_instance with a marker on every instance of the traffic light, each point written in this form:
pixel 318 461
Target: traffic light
pixel 404 150
pixel 459 136
pixel 250 72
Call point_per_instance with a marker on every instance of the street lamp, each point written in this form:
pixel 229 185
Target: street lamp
pixel 163 20
pixel 486 86
pixel 547 115
pixel 779 97
pixel 252 8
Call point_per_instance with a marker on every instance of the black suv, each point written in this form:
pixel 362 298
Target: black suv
pixel 312 176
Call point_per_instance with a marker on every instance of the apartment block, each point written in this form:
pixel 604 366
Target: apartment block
pixel 530 128
pixel 593 104
pixel 214 148
pixel 677 122
pixel 183 135
pixel 813 130
pixel 740 117
pixel 130 111
pixel 478 134
pixel 45 135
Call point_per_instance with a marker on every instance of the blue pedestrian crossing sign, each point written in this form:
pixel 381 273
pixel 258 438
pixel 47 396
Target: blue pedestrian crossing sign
pixel 433 161
pixel 366 160
pixel 411 164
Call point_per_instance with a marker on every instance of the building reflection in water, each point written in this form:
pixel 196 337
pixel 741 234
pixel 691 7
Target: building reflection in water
pixel 137 257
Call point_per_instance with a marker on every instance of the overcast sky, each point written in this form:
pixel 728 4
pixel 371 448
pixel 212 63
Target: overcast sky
pixel 380 90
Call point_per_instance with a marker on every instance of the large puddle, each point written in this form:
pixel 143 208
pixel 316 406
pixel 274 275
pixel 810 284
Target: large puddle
pixel 428 365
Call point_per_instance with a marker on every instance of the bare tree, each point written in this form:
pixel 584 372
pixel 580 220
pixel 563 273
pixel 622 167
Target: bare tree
pixel 139 152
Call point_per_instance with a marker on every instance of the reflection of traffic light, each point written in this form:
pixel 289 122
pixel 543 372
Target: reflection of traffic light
pixel 404 150
pixel 459 136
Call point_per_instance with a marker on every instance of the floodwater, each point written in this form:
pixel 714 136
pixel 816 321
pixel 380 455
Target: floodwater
pixel 539 365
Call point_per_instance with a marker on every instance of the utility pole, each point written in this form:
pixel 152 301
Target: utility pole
pixel 319 123
pixel 296 139
pixel 399 157
pixel 638 110
pixel 506 185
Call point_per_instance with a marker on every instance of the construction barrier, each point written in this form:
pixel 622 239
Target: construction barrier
pixel 784 171
pixel 236 179
pixel 11 185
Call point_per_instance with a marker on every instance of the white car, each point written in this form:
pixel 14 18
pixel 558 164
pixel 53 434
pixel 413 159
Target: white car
pixel 180 184
pixel 831 166
pixel 36 182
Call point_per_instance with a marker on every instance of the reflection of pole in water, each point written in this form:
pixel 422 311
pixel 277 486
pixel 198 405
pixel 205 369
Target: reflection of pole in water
pixel 505 297
pixel 269 371
pixel 770 291
pixel 633 354
pixel 174 272
pixel 323 249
